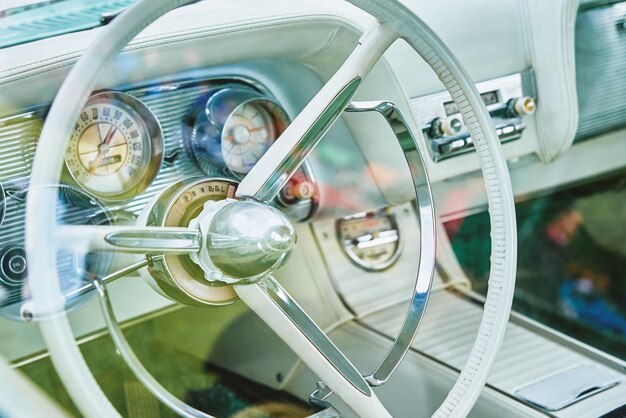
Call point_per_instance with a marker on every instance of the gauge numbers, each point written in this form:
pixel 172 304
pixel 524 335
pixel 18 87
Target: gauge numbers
pixel 248 133
pixel 116 148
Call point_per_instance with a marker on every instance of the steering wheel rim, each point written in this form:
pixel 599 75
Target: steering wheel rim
pixel 398 22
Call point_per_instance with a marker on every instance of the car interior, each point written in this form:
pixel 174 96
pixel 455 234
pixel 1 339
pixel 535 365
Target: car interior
pixel 312 208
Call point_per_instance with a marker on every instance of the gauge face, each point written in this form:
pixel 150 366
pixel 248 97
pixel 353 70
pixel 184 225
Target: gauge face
pixel 116 148
pixel 370 240
pixel 248 133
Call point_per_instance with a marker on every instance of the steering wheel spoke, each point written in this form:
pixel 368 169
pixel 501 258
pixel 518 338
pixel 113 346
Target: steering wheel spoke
pixel 271 302
pixel 141 373
pixel 281 161
pixel 29 313
pixel 128 239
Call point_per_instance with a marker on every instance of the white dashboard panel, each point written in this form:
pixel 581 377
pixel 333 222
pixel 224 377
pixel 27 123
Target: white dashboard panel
pixel 201 35
pixel 493 39
pixel 487 36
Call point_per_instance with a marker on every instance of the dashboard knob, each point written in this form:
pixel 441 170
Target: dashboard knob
pixel 298 188
pixel 302 190
pixel 12 265
pixel 523 106
pixel 446 126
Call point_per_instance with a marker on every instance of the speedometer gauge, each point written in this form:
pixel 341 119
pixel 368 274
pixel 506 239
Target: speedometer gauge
pixel 116 148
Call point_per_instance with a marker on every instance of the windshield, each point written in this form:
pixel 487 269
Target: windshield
pixel 27 21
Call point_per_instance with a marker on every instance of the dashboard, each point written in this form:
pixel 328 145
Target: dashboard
pixel 128 146
pixel 206 90
pixel 175 93
pixel 165 82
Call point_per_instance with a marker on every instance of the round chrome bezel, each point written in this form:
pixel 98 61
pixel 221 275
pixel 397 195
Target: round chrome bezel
pixel 203 139
pixel 354 258
pixel 167 274
pixel 155 160
pixel 274 110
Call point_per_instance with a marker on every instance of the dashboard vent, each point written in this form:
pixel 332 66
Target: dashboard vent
pixel 51 19
pixel 600 62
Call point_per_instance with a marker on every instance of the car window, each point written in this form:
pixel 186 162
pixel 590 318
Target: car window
pixel 571 261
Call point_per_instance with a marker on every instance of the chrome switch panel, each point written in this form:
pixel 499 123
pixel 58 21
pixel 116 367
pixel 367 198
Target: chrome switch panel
pixel 509 100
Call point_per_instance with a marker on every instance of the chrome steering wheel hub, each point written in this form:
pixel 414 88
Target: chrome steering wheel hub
pixel 241 241
pixel 177 276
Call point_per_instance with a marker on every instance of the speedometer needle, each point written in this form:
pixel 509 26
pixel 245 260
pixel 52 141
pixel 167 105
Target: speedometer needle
pixel 103 148
pixel 109 135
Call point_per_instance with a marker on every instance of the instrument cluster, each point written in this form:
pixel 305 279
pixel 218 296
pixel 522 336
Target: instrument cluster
pixel 125 147
pixel 116 147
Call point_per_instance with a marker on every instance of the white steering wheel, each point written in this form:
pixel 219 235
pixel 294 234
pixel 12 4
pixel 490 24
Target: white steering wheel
pixel 214 241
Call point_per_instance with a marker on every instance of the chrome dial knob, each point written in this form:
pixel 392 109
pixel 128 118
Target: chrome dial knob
pixel 523 106
pixel 441 127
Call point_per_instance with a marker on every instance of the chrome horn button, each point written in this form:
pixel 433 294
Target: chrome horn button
pixel 177 276
pixel 242 241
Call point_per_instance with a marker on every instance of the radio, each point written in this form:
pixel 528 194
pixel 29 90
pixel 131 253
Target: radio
pixel 509 99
